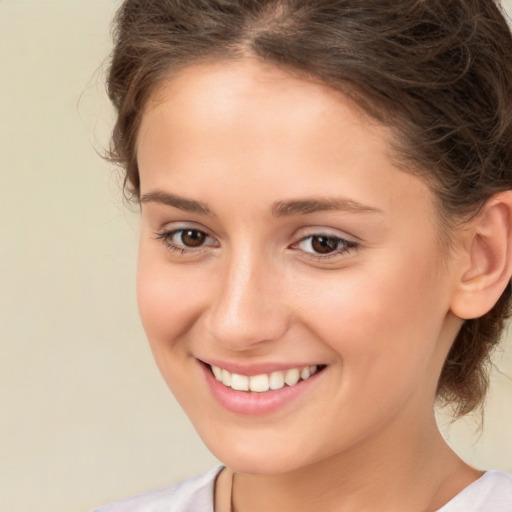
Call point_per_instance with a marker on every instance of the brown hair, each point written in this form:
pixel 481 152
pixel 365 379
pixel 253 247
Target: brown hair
pixel 438 72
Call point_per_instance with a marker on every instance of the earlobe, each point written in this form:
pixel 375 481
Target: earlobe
pixel 487 258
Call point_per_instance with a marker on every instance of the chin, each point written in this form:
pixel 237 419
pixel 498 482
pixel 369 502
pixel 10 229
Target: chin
pixel 258 464
pixel 257 457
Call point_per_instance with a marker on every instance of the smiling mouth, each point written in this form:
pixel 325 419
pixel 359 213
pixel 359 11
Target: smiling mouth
pixel 265 381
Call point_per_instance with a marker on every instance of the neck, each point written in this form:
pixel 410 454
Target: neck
pixel 397 470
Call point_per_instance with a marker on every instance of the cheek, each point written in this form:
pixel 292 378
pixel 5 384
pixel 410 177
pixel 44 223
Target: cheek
pixel 168 299
pixel 168 302
pixel 382 322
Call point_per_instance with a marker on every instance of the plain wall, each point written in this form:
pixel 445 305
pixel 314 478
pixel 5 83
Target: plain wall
pixel 84 416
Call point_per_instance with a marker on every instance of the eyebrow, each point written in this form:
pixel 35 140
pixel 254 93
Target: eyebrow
pixel 187 205
pixel 279 209
pixel 305 206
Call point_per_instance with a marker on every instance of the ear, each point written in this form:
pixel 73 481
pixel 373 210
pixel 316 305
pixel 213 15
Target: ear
pixel 486 258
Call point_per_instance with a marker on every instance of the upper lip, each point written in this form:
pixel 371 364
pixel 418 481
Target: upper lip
pixel 255 368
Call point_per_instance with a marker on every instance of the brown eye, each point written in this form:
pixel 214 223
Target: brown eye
pixel 324 244
pixel 192 237
pixel 187 240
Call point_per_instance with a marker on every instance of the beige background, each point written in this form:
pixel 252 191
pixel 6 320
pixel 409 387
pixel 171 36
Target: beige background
pixel 84 416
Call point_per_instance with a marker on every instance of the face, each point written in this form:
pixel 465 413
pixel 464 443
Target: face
pixel 289 278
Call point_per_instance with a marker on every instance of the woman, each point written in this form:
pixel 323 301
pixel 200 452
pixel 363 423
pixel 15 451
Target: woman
pixel 325 192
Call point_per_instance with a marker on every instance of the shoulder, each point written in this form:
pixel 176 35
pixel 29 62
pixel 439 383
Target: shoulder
pixel 193 494
pixel 491 492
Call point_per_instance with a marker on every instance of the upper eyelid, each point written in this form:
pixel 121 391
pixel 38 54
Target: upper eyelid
pixel 173 231
pixel 176 225
pixel 172 227
pixel 309 230
pixel 346 240
pixel 328 232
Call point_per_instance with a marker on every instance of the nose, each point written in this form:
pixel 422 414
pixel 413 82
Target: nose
pixel 247 309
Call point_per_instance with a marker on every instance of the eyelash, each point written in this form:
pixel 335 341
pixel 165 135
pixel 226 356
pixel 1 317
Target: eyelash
pixel 346 245
pixel 166 238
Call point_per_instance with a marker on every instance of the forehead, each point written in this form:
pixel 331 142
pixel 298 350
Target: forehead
pixel 254 99
pixel 249 123
pixel 223 93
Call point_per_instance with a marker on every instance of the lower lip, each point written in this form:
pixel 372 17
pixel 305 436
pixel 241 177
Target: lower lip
pixel 256 404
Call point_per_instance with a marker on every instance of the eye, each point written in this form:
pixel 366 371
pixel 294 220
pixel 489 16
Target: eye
pixel 322 244
pixel 190 237
pixel 186 239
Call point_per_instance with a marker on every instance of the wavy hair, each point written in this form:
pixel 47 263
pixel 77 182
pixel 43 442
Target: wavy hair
pixel 437 72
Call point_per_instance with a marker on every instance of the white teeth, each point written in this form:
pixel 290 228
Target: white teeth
pixel 263 382
pixel 259 383
pixel 226 378
pixel 292 377
pixel 239 382
pixel 217 372
pixel 276 380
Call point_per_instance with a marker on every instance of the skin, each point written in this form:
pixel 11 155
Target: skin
pixel 240 138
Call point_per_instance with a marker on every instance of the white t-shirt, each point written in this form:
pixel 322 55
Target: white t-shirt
pixel 492 492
